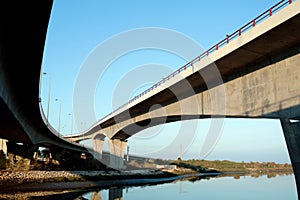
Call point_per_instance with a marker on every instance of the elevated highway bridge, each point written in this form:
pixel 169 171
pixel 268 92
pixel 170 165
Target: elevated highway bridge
pixel 253 73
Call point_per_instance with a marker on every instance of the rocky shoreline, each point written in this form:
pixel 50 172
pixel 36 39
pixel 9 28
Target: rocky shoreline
pixel 31 188
pixel 38 180
pixel 22 177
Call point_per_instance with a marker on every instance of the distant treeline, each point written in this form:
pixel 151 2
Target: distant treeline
pixel 230 166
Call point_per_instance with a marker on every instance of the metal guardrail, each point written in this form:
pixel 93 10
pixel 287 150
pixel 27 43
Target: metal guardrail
pixel 265 15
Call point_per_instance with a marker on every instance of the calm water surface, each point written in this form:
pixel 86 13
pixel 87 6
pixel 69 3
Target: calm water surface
pixel 266 187
pixel 243 187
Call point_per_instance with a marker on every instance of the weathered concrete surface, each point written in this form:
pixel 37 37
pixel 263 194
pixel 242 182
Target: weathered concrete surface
pixel 117 149
pixel 98 141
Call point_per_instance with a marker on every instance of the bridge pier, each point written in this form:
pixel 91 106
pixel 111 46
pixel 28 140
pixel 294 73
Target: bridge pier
pixel 96 196
pixel 35 153
pixel 3 146
pixel 115 194
pixel 117 149
pixel 98 146
pixel 291 132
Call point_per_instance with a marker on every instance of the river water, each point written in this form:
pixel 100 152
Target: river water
pixel 266 187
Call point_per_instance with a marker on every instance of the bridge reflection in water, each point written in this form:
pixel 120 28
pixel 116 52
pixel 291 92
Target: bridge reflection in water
pixel 113 194
pixel 229 186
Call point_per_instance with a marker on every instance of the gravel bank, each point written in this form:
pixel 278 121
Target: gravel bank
pixel 19 177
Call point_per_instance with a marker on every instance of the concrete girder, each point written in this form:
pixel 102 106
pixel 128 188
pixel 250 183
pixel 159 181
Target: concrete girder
pixel 270 92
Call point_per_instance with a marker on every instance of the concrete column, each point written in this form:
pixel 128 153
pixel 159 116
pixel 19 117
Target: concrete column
pixel 115 194
pixel 292 137
pixel 35 152
pixel 117 149
pixel 3 146
pixel 96 196
pixel 98 146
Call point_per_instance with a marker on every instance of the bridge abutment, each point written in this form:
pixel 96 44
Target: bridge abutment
pixel 291 132
pixel 117 149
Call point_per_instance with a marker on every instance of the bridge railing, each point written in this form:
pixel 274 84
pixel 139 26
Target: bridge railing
pixel 265 15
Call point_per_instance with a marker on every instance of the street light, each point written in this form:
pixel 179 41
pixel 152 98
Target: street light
pixel 70 114
pixel 57 100
pixel 49 90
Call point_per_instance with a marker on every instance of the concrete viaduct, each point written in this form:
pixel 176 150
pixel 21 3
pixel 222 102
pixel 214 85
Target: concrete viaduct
pixel 252 73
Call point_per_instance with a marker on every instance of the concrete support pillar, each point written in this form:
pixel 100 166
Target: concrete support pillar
pixel 115 194
pixel 35 153
pixel 117 149
pixel 98 146
pixel 96 196
pixel 292 137
pixel 3 146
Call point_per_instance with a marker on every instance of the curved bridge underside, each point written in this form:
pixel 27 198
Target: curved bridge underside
pixel 22 38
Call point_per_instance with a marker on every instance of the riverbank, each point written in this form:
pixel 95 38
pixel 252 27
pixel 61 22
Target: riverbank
pixel 63 180
pixel 183 188
pixel 38 176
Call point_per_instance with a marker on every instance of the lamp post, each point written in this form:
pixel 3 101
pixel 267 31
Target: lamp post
pixel 57 100
pixel 70 114
pixel 127 157
pixel 49 91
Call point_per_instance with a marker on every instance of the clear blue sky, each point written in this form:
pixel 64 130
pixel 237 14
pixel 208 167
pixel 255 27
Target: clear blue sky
pixel 78 27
